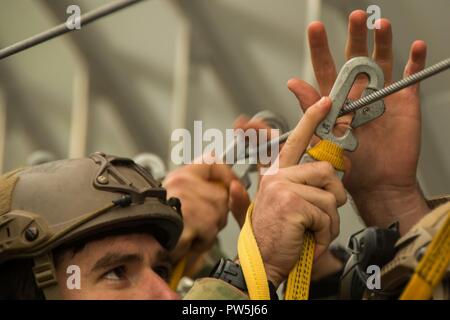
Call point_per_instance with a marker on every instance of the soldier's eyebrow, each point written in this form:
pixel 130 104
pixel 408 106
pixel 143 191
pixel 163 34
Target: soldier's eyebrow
pixel 112 259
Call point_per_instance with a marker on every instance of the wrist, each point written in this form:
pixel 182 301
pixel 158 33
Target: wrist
pixel 273 276
pixel 383 206
pixel 273 286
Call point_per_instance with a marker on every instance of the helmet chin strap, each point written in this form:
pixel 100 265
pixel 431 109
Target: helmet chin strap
pixel 45 276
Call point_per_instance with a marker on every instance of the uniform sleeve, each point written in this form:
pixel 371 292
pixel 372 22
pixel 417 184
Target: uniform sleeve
pixel 214 289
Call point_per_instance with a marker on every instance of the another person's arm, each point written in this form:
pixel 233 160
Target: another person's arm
pixel 381 172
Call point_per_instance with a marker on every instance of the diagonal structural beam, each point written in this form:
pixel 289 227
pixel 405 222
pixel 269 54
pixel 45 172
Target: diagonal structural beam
pixel 21 108
pixel 112 78
pixel 62 28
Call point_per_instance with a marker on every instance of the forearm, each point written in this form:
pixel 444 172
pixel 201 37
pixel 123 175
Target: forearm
pixel 387 205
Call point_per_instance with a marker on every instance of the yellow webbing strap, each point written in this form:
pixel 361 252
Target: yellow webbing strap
pixel 328 151
pixel 178 273
pixel 250 257
pixel 297 287
pixel 432 268
pixel 251 261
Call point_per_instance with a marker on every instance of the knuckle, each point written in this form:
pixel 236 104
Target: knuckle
pixel 342 197
pixel 326 168
pixel 326 220
pixel 316 168
pixel 177 179
pixel 223 222
pixel 309 114
pixel 222 196
pixel 277 189
pixel 331 200
pixel 286 197
pixel 267 182
pixel 279 196
pixel 336 229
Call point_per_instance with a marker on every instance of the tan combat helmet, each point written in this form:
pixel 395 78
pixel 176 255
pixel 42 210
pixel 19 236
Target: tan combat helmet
pixel 61 202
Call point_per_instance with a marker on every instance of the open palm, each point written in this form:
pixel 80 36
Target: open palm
pixel 389 146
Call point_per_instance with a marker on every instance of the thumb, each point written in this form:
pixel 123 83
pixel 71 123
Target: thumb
pixel 239 202
pixel 304 92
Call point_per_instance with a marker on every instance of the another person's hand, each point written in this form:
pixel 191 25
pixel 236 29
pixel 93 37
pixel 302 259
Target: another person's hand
pixel 207 193
pixel 381 173
pixel 295 199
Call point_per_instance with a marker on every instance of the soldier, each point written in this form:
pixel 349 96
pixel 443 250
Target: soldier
pixel 108 220
pixel 380 177
pixel 381 173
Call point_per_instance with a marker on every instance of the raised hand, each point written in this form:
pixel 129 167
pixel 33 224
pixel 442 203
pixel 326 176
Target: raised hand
pixel 381 172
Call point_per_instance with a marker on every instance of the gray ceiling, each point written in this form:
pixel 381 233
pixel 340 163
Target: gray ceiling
pixel 242 54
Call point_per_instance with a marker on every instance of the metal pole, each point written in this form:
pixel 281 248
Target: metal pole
pixel 181 78
pixel 370 98
pixel 62 28
pixel 80 112
pixel 2 128
pixel 396 86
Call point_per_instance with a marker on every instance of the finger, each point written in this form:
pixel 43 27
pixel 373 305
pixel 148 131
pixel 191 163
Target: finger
pixel 214 192
pixel 299 139
pixel 416 62
pixel 322 234
pixel 319 223
pixel 256 124
pixel 324 200
pixel 244 123
pixel 183 244
pixel 319 174
pixel 321 58
pixel 382 53
pixel 222 173
pixel 357 35
pixel 240 121
pixel 201 170
pixel 207 228
pixel 239 202
pixel 305 93
pixel 204 241
pixel 212 172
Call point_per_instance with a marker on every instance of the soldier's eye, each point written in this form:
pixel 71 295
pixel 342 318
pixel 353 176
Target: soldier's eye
pixel 163 271
pixel 116 274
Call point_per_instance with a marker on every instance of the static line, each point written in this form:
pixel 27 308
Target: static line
pixel 62 28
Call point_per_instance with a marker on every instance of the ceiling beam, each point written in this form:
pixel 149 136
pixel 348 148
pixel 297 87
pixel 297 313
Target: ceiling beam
pixel 110 75
pixel 21 109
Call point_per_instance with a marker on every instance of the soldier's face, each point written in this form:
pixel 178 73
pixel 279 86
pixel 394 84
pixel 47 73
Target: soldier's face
pixel 133 266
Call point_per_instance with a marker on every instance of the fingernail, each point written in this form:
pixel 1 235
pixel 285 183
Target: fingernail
pixel 290 81
pixel 324 102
